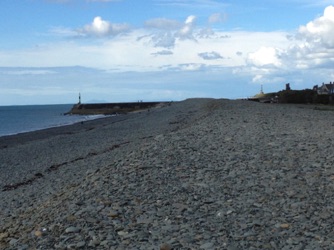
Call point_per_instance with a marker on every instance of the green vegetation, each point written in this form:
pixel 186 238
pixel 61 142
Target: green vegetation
pixel 302 96
pixel 306 96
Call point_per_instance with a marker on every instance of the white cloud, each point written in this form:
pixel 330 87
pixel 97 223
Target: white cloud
pixel 321 30
pixel 210 55
pixel 310 50
pixel 101 28
pixel 163 24
pixel 163 39
pixel 265 56
pixel 166 32
pixel 169 47
pixel 163 53
pixel 315 40
pixel 186 32
pixel 137 51
pixel 206 33
pixel 191 66
pixel 166 45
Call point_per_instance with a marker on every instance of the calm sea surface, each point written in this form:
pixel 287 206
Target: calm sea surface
pixel 18 119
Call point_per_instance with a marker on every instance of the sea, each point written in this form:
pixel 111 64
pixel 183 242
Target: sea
pixel 27 118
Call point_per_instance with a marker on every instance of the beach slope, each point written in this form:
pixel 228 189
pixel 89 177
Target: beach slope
pixel 198 174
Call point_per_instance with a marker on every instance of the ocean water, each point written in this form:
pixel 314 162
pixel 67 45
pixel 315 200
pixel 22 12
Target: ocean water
pixel 18 119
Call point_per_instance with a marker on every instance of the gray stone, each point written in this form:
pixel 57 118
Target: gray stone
pixel 207 246
pixel 72 230
pixel 81 244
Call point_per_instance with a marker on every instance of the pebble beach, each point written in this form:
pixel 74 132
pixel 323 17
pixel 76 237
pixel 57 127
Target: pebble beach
pixel 197 174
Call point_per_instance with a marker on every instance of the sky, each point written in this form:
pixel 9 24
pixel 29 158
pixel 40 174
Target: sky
pixel 161 50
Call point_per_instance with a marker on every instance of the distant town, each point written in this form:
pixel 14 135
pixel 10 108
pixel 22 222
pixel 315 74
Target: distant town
pixel 319 94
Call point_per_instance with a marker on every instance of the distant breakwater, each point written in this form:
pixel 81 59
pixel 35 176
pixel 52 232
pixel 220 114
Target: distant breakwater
pixel 113 108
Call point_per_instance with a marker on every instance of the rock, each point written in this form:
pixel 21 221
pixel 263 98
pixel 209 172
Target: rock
pixel 207 246
pixel 104 243
pixel 38 233
pixel 94 243
pixel 59 246
pixel 195 190
pixel 122 233
pixel 3 236
pixel 71 246
pixel 166 246
pixel 113 214
pixel 284 226
pixel 229 212
pixel 72 230
pixel 81 244
pixel 13 242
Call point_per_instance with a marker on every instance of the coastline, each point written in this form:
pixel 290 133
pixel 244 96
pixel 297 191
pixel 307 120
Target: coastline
pixel 22 119
pixel 81 125
pixel 114 108
pixel 42 133
pixel 201 174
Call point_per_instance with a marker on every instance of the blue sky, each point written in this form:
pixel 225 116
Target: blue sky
pixel 129 50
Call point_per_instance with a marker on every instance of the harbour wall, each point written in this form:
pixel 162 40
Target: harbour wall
pixel 113 108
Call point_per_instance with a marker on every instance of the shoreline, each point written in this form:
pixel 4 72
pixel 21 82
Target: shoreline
pixel 53 126
pixel 319 107
pixel 199 174
pixel 96 115
pixel 49 131
pixel 114 108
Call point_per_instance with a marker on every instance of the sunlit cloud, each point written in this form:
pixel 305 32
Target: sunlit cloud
pixel 166 32
pixel 186 32
pixel 265 56
pixel 319 32
pixel 102 28
pixel 310 49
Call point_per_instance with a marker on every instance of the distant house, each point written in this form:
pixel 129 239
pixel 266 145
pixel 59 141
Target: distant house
pixel 325 89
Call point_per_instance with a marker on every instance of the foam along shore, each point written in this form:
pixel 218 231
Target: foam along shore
pixel 198 174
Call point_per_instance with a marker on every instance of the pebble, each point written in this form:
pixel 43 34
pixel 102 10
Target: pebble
pixel 3 235
pixel 207 246
pixel 187 177
pixel 13 242
pixel 38 233
pixel 72 230
pixel 166 246
pixel 285 226
pixel 81 244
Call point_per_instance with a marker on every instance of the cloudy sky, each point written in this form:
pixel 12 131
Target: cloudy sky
pixel 151 50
